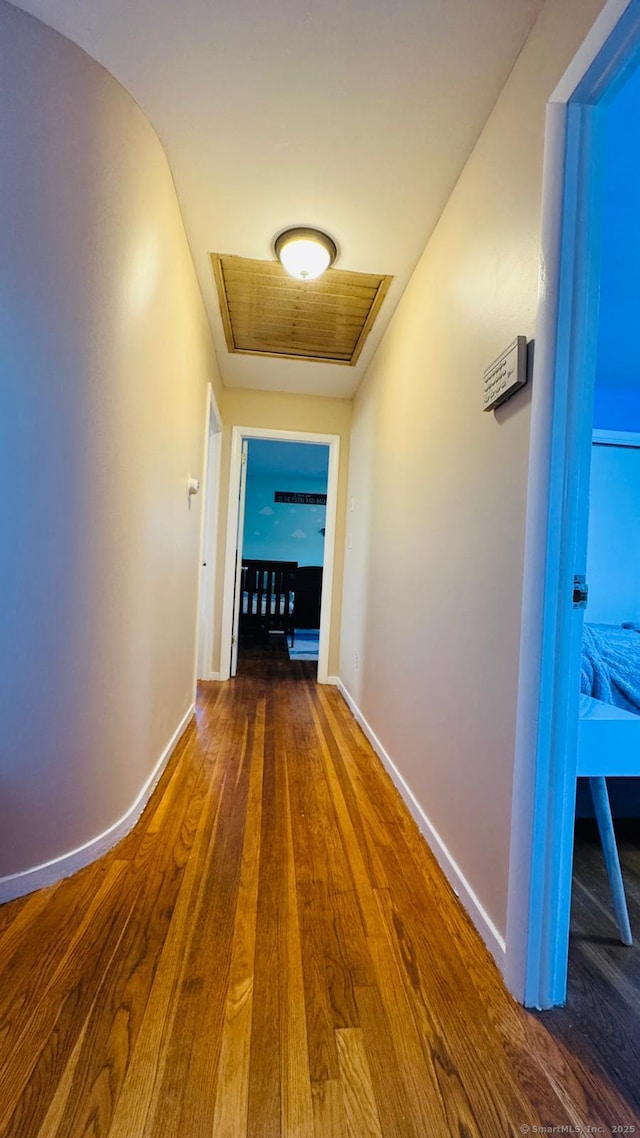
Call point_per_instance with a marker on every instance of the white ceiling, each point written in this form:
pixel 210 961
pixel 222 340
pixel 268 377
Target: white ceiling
pixel 353 115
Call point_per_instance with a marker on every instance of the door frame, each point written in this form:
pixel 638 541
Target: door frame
pixel 209 519
pixel 237 580
pixel 557 509
pixel 238 434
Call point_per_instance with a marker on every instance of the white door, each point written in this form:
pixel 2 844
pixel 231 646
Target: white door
pixel 238 583
pixel 208 544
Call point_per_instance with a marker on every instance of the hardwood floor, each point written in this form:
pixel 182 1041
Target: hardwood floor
pixel 601 1020
pixel 271 952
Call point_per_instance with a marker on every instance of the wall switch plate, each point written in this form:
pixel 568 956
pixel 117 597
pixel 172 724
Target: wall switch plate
pixel 506 375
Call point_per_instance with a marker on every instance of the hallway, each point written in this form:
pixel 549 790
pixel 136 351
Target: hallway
pixel 272 951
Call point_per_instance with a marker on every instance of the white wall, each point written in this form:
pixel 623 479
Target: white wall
pixel 104 358
pixel 433 582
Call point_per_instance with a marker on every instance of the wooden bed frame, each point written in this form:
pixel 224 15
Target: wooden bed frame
pixel 267 597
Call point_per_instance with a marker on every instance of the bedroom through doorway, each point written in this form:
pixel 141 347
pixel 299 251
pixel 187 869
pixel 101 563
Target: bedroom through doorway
pixel 283 528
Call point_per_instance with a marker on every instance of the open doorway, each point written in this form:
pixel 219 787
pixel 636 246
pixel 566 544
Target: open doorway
pixel 282 551
pixel 604 932
pixel 279 595
pixel 560 738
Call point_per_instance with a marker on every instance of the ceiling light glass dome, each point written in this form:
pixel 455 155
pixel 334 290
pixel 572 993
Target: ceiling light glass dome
pixel 305 253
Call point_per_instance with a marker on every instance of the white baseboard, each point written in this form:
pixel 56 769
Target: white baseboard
pixel 332 680
pixel 492 936
pixel 18 884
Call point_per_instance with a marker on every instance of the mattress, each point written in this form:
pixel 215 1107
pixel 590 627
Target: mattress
pixel 611 665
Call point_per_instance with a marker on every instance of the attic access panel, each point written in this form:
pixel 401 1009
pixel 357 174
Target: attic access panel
pixel 266 312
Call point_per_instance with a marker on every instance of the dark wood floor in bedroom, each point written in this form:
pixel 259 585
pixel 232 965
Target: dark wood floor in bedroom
pixel 601 1021
pixel 272 952
pixel 266 656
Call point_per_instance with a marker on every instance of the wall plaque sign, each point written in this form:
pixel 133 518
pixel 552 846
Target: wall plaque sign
pixel 300 499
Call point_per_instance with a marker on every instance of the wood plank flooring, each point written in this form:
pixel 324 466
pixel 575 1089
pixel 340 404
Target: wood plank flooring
pixel 271 952
pixel 601 1020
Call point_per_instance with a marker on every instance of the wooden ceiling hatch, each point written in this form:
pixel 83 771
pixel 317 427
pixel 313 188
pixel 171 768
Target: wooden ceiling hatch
pixel 266 312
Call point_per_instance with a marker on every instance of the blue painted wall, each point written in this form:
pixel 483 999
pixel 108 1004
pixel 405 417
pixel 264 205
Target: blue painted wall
pixel 617 408
pixel 279 531
pixel 613 567
pixel 617 404
pixel 613 551
pixel 614 524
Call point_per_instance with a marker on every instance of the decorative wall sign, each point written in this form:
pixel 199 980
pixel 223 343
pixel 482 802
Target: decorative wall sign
pixel 300 499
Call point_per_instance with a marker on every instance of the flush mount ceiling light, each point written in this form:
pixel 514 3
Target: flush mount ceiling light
pixel 305 253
